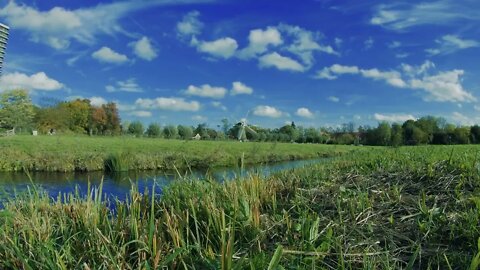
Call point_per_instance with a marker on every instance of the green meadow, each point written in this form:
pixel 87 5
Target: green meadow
pixel 83 153
pixel 385 208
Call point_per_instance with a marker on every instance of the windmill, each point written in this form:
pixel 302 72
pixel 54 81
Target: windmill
pixel 243 128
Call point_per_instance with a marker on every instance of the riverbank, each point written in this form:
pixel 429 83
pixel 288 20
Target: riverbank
pixel 68 154
pixel 407 208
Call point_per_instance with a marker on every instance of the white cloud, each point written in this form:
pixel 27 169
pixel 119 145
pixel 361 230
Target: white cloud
pixel 476 108
pixel 304 112
pixel 171 104
pixel 333 99
pixel 58 27
pixel 267 111
pixel 219 105
pixel 144 49
pixel 441 87
pixel 107 55
pixel 305 43
pixel 206 90
pixel 463 120
pixel 239 88
pixel 394 44
pixel 393 117
pixel 450 43
pixel 280 62
pixel 260 40
pixel 190 25
pixel 39 81
pixel 199 118
pixel 368 44
pixel 441 12
pixel 143 114
pixel 98 101
pixel 222 48
pixel 129 85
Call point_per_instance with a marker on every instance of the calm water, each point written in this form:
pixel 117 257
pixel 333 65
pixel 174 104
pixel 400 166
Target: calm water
pixel 119 185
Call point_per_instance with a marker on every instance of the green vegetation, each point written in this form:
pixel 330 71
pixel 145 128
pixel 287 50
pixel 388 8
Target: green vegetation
pixel 82 153
pixel 412 208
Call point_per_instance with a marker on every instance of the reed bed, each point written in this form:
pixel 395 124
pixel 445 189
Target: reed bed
pixel 406 208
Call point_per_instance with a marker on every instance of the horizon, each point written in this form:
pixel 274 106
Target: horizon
pixel 319 63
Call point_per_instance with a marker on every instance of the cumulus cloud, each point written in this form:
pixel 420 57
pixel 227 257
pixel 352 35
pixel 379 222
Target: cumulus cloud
pixel 190 25
pixel 143 114
pixel 107 55
pixel 280 62
pixel 304 112
pixel 396 118
pixel 267 111
pixel 239 88
pixel 199 118
pixel 221 48
pixel 441 87
pixel 207 91
pixel 333 99
pixel 129 85
pixel 170 104
pixel 403 16
pixel 463 120
pixel 260 40
pixel 449 44
pixel 58 27
pixel 98 101
pixel 39 81
pixel 144 49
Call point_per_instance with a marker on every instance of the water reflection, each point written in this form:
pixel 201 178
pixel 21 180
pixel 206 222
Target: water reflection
pixel 119 185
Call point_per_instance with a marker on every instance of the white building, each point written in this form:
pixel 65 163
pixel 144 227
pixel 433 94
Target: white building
pixel 3 43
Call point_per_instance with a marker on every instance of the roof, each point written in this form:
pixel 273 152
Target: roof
pixel 4 26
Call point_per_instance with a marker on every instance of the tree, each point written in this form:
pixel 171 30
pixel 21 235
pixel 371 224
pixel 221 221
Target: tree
pixel 78 115
pixel 98 120
pixel 384 133
pixel 185 132
pixel 16 109
pixel 475 134
pixel 154 130
pixel 462 135
pixel 136 128
pixel 170 132
pixel 397 135
pixel 113 119
pixel 225 126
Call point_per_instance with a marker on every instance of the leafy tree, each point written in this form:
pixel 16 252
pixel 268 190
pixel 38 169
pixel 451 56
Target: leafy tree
pixel 113 118
pixel 462 135
pixel 136 128
pixel 16 109
pixel 170 132
pixel 384 133
pixel 54 117
pixel 202 130
pixel 225 125
pixel 154 130
pixel 185 132
pixel 397 135
pixel 475 134
pixel 79 115
pixel 98 120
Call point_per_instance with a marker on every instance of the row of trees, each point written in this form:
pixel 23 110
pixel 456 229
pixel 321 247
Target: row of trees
pixel 77 116
pixel 80 116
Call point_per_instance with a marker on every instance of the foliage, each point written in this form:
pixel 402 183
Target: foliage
pixel 16 109
pixel 401 208
pixel 136 128
pixel 154 131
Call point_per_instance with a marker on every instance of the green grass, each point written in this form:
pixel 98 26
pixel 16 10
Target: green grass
pixel 65 153
pixel 406 208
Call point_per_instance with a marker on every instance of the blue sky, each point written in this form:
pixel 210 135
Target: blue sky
pixel 318 63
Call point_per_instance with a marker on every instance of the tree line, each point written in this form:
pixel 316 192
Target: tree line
pixel 80 116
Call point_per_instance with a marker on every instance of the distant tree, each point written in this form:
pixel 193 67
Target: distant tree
pixel 16 109
pixel 462 135
pixel 154 130
pixel 170 132
pixel 54 117
pixel 78 115
pixel 136 128
pixel 290 131
pixel 397 135
pixel 98 120
pixel 113 118
pixel 475 134
pixel 202 130
pixel 185 132
pixel 225 125
pixel 383 133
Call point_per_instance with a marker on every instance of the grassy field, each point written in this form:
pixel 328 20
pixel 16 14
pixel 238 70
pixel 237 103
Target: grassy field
pixel 64 153
pixel 405 208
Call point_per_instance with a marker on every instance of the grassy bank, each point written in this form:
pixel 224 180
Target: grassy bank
pixel 64 153
pixel 413 208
